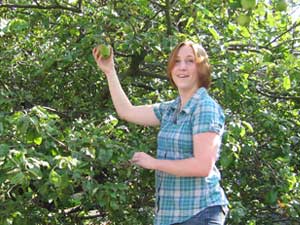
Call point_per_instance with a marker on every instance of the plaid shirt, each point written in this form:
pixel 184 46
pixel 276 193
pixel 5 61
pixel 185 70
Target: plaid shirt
pixel 179 198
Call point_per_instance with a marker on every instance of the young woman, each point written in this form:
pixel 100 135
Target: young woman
pixel 188 143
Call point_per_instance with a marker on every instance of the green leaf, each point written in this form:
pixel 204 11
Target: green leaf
pixel 242 131
pixel 214 33
pixel 4 148
pixel 55 178
pixel 292 180
pixel 271 197
pixel 38 140
pixel 245 32
pixel 286 82
pixel 114 205
pixel 18 25
pixel 36 172
pixel 1 127
pixel 226 160
pixel 248 125
pixel 189 23
pixel 18 178
pixel 105 155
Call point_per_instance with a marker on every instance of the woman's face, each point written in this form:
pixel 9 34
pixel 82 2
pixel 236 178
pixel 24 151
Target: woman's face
pixel 184 72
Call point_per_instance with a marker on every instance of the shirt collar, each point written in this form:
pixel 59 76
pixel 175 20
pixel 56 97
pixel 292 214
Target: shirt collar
pixel 176 103
pixel 199 94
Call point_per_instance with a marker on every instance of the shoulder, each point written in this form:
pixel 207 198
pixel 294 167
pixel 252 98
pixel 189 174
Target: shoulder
pixel 164 108
pixel 166 105
pixel 207 115
pixel 204 102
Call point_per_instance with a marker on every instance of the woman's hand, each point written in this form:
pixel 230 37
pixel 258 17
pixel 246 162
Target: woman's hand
pixel 144 160
pixel 106 65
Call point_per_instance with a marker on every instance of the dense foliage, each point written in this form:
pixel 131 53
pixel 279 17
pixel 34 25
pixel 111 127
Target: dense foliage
pixel 63 151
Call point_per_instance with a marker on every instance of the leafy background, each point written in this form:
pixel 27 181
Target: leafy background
pixel 64 152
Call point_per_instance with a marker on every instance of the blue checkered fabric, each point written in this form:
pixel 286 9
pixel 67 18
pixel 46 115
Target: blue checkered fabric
pixel 179 198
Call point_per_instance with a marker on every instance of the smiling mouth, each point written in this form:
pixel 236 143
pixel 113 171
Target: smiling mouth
pixel 182 76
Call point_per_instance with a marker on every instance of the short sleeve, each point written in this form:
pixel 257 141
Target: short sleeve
pixel 208 116
pixel 158 111
pixel 162 110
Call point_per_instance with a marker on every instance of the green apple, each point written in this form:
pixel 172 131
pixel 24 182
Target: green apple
pixel 281 5
pixel 243 20
pixel 104 51
pixel 248 4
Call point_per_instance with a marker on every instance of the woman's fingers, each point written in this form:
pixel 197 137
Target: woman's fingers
pixel 143 159
pixel 135 157
pixel 96 54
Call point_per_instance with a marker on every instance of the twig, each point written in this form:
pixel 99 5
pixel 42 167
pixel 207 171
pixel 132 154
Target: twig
pixel 279 36
pixel 43 7
pixel 275 95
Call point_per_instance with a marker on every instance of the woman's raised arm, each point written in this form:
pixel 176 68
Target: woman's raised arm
pixel 142 115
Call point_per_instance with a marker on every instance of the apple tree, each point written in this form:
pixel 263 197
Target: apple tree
pixel 64 152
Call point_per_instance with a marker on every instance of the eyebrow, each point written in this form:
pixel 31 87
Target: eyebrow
pixel 188 56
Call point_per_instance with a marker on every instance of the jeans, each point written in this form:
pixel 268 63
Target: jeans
pixel 214 215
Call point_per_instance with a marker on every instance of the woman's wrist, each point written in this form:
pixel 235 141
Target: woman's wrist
pixel 110 73
pixel 155 164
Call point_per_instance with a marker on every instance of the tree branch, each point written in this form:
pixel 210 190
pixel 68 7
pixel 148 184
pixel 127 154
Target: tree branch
pixel 158 4
pixel 287 41
pixel 275 95
pixel 153 75
pixel 267 46
pixel 279 36
pixel 91 216
pixel 168 17
pixel 43 7
pixel 245 48
pixel 74 209
pixel 144 86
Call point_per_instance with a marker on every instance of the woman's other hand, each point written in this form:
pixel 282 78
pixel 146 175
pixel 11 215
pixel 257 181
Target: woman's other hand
pixel 144 160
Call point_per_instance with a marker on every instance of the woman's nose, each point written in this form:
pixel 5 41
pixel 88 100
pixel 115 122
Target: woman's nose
pixel 182 65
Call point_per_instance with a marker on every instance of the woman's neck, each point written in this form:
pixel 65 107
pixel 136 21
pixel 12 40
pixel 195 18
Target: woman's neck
pixel 185 96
